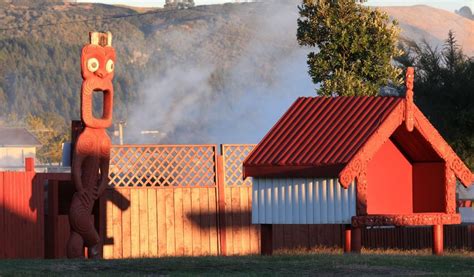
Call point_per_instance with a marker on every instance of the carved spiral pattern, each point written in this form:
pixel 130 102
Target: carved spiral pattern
pixel 423 219
pixel 450 191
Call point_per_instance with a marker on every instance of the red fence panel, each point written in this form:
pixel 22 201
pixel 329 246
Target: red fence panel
pixel 21 215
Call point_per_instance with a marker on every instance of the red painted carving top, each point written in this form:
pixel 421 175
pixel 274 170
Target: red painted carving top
pixel 409 107
pixel 92 152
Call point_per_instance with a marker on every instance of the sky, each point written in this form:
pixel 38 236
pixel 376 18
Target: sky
pixel 450 5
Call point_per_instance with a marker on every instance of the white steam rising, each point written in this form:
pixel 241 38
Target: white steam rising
pixel 261 82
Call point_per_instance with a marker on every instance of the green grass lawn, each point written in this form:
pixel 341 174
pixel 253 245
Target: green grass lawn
pixel 330 263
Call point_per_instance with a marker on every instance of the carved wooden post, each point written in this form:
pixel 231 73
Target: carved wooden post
pixel 356 240
pixel 347 238
pixel 90 165
pixel 438 238
pixel 409 105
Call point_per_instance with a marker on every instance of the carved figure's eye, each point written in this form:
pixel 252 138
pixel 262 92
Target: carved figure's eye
pixel 109 66
pixel 92 64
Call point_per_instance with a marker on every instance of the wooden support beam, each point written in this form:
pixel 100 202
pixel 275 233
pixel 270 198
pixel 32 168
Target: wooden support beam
pixel 356 240
pixel 266 239
pixel 438 238
pixel 347 238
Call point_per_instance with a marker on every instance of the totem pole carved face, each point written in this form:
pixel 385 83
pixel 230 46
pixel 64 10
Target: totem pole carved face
pixel 97 68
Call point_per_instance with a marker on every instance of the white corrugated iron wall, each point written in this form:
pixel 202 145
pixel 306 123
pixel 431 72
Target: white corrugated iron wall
pixel 302 201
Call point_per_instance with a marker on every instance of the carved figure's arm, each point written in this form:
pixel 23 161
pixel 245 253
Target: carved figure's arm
pixel 76 171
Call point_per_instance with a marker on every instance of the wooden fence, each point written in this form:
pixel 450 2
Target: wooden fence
pixel 171 200
pixel 177 200
pixel 21 215
pixel 162 202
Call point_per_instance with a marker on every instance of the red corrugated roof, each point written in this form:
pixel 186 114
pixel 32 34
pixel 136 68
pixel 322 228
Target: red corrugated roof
pixel 320 132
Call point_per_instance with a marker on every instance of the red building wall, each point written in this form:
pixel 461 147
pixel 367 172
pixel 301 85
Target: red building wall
pixel 390 185
pixel 428 187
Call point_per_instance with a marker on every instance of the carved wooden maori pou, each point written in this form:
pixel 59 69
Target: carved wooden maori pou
pixel 90 165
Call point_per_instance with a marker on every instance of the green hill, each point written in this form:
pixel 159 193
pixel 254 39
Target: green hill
pixel 197 75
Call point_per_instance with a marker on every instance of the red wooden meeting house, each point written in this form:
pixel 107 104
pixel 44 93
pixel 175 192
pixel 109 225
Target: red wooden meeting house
pixel 359 161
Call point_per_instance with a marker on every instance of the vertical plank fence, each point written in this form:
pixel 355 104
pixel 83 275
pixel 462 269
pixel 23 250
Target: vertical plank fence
pixel 162 201
pixel 241 236
pixel 21 215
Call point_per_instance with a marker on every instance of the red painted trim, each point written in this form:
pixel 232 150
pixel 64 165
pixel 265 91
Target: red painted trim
pixel 462 172
pixel 409 120
pixel 450 191
pixel 386 129
pixel 361 192
pixel 420 219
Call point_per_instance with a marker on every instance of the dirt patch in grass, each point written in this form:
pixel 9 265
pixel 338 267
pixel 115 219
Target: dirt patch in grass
pixel 377 270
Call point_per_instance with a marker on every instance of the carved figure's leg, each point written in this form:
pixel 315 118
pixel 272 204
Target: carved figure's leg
pixel 94 252
pixel 75 246
pixel 91 238
pixel 82 223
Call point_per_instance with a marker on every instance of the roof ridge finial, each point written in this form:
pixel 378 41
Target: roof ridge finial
pixel 409 105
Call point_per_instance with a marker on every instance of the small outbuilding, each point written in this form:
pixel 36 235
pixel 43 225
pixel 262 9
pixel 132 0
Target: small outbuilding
pixel 16 144
pixel 358 161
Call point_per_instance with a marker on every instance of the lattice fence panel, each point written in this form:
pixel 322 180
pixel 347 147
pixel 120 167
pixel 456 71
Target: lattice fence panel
pixel 163 166
pixel 233 157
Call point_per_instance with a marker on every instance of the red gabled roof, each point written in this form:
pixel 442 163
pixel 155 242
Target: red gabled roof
pixel 337 136
pixel 319 134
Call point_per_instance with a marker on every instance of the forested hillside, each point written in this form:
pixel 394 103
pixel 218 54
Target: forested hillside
pixel 40 45
pixel 40 62
pixel 219 73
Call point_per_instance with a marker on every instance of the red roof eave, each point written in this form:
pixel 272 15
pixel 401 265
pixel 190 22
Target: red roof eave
pixel 271 171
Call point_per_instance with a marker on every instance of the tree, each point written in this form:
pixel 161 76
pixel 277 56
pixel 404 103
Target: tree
pixel 356 47
pixel 444 85
pixel 465 12
pixel 51 131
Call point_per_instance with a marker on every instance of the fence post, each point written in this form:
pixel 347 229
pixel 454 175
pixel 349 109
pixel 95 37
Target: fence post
pixel 29 164
pixel 52 220
pixel 221 205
